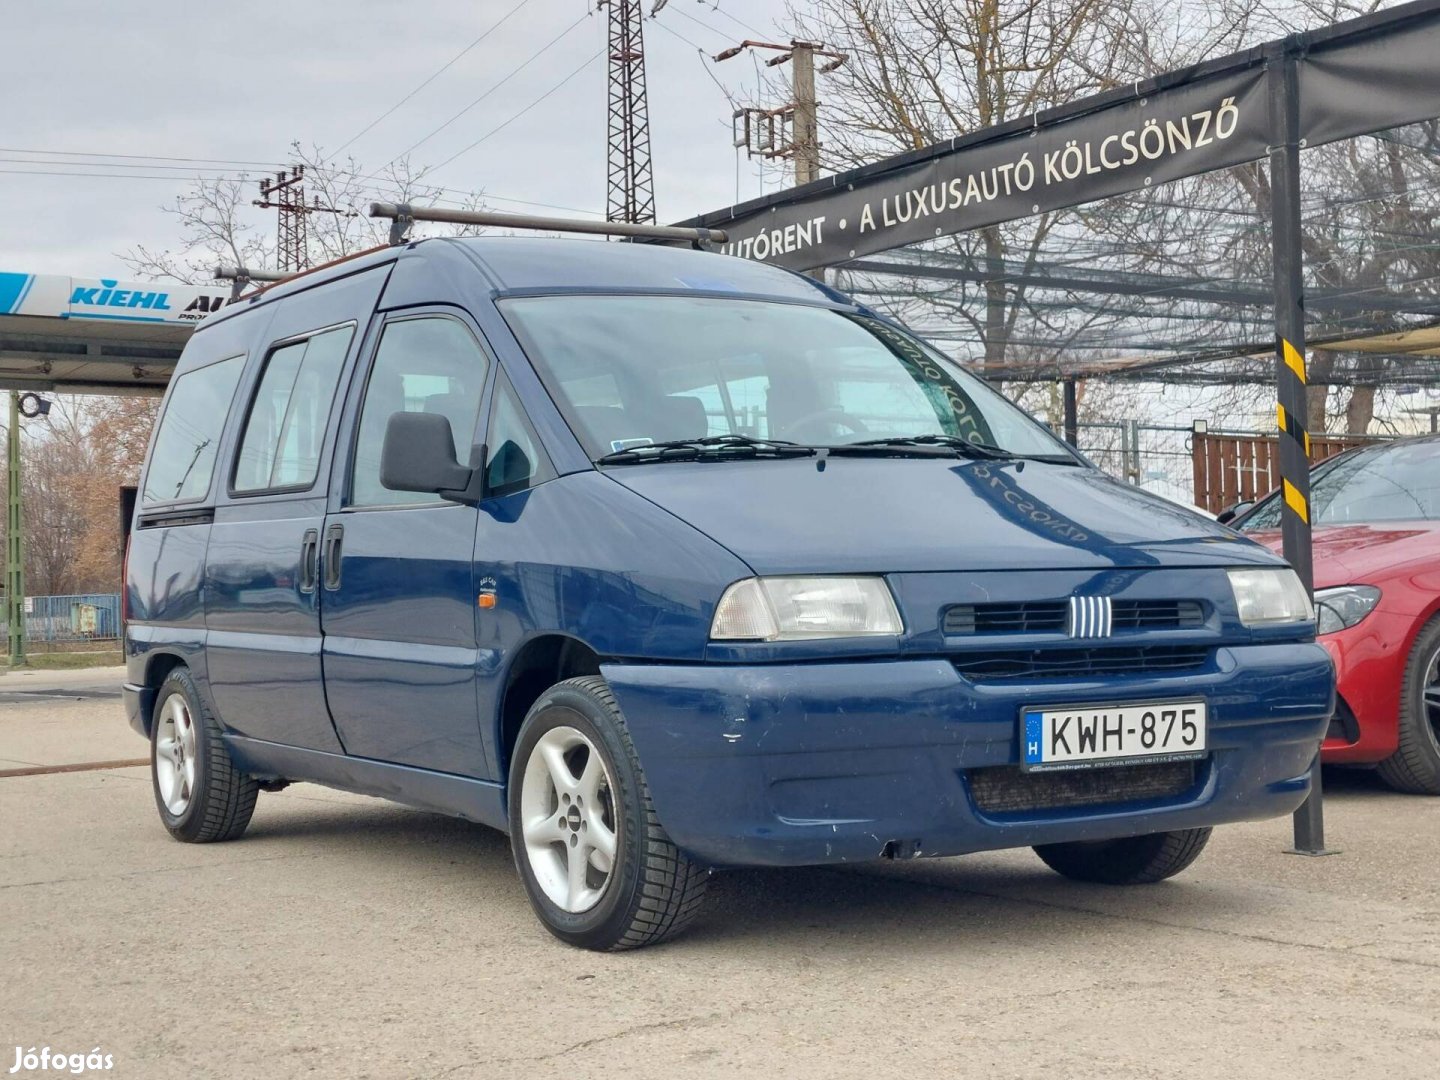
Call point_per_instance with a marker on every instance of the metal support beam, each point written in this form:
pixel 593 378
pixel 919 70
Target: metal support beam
pixel 1152 287
pixel 15 540
pixel 1072 414
pixel 1285 238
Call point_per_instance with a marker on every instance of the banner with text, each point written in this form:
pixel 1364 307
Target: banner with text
pixel 1212 123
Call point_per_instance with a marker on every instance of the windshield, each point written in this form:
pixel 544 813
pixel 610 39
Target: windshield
pixel 1400 482
pixel 633 371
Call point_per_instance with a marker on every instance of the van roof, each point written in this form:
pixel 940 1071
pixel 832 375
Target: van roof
pixel 526 263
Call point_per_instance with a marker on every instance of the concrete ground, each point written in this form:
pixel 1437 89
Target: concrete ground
pixel 347 937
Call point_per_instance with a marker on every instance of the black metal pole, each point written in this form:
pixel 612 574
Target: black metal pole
pixel 1291 410
pixel 1072 415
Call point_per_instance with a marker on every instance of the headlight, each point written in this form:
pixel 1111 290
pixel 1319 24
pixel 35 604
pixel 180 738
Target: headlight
pixel 1344 606
pixel 804 608
pixel 1269 596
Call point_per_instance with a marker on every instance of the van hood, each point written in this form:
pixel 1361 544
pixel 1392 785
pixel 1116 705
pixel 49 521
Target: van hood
pixel 912 515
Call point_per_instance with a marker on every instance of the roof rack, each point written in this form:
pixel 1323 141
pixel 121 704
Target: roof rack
pixel 403 215
pixel 241 277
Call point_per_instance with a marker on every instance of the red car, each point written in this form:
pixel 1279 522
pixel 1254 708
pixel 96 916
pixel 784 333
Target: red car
pixel 1376 517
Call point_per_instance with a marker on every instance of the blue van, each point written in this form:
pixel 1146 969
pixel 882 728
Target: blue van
pixel 665 561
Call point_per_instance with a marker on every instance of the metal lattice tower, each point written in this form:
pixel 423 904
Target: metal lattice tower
pixel 631 187
pixel 288 189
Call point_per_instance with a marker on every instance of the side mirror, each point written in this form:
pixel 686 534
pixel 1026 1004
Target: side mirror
pixel 419 455
pixel 1230 513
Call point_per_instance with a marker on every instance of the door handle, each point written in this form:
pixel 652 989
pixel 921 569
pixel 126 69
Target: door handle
pixel 334 538
pixel 309 553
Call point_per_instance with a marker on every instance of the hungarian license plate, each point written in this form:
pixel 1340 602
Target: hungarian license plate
pixel 1094 736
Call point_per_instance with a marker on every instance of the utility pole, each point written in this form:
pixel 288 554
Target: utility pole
pixel 630 185
pixel 791 130
pixel 15 540
pixel 31 406
pixel 807 123
pixel 286 193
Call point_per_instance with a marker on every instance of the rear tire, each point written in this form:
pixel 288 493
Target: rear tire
pixel 1415 765
pixel 1132 860
pixel 201 796
pixel 598 867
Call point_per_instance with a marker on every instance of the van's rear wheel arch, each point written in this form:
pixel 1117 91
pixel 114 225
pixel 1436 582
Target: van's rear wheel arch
pixel 538 665
pixel 158 666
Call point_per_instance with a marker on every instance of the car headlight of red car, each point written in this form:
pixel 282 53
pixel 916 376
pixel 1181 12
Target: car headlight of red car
pixel 1344 606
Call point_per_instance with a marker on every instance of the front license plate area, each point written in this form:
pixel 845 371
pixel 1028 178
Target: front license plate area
pixel 1095 736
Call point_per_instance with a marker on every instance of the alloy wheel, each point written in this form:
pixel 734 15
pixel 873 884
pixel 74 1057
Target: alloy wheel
pixel 567 819
pixel 1430 694
pixel 175 755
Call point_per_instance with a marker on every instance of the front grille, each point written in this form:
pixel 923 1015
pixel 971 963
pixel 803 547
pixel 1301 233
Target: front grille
pixel 1007 790
pixel 1158 615
pixel 1049 616
pixel 1073 663
pixel 1032 617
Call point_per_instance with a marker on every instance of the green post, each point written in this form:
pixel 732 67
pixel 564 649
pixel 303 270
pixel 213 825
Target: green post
pixel 15 542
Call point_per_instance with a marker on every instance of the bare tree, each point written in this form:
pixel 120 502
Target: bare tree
pixel 74 464
pixel 216 221
pixel 922 71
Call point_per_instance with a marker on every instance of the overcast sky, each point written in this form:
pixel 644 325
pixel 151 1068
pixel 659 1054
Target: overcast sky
pixel 241 82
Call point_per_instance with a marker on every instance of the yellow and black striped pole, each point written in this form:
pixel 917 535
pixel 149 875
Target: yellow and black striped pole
pixel 1290 376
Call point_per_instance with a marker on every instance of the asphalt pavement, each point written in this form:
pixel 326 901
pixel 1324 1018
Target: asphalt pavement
pixel 348 937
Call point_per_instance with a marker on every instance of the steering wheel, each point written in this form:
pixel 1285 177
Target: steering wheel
pixel 795 428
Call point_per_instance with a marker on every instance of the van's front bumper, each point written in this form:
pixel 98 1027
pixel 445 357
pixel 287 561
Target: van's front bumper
pixel 789 764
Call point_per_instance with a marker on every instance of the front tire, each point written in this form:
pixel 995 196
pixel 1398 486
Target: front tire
pixel 1131 860
pixel 1415 765
pixel 599 869
pixel 201 796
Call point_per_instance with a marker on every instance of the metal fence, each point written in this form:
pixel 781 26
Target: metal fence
pixel 78 618
pixel 1153 456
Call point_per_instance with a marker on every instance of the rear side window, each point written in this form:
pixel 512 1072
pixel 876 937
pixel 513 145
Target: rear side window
pixel 431 364
pixel 285 430
pixel 182 461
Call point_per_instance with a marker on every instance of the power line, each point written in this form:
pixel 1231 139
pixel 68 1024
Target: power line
pixel 99 164
pixel 135 157
pixel 703 25
pixel 704 61
pixel 493 87
pixel 236 177
pixel 714 6
pixel 501 127
pixel 446 67
pixel 676 34
pixel 242 178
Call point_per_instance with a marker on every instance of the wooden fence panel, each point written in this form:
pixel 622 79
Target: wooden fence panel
pixel 1242 468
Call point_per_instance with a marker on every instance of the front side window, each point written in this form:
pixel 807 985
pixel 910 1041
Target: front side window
pixel 429 364
pixel 182 461
pixel 632 370
pixel 285 431
pixel 1391 483
pixel 516 460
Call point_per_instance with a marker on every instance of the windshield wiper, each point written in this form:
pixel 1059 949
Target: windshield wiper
pixel 959 446
pixel 949 442
pixel 713 447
